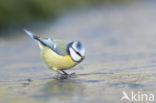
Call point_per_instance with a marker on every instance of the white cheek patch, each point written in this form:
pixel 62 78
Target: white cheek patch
pixel 74 46
pixel 82 51
pixel 74 56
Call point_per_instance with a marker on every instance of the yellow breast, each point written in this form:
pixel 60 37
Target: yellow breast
pixel 55 61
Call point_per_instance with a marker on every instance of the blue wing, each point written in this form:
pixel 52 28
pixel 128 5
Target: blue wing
pixel 56 45
pixel 47 42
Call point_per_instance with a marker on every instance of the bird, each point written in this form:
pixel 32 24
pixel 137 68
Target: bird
pixel 59 55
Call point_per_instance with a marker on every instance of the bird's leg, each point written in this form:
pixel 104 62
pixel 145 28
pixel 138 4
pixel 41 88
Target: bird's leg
pixel 63 75
pixel 60 75
pixel 64 72
pixel 58 72
pixel 69 75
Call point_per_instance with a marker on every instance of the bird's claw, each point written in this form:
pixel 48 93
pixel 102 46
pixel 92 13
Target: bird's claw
pixel 65 76
pixel 72 75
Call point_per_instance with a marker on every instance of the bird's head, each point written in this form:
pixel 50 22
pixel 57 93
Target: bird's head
pixel 76 50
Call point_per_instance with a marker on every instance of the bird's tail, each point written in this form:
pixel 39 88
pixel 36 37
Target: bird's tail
pixel 41 41
pixel 31 34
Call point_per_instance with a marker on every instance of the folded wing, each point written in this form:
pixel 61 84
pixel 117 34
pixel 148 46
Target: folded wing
pixel 58 46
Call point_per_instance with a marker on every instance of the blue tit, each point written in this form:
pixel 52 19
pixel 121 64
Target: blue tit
pixel 59 55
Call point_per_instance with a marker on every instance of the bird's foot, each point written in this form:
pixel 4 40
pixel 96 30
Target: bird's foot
pixel 60 76
pixel 65 76
pixel 72 75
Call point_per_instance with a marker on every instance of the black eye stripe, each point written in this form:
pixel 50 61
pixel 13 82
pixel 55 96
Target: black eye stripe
pixel 76 52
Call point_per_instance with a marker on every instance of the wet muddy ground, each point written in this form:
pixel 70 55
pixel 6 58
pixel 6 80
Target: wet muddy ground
pixel 120 42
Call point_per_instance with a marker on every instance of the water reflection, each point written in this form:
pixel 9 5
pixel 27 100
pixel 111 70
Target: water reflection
pixel 62 90
pixel 127 84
